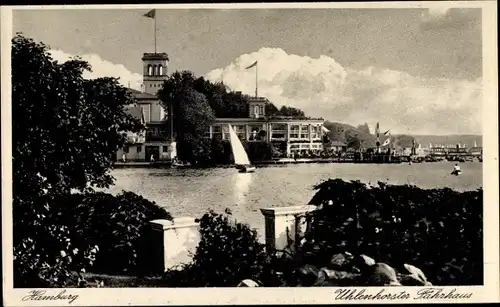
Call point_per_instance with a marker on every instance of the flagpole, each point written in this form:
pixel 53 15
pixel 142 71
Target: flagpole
pixel 155 29
pixel 256 79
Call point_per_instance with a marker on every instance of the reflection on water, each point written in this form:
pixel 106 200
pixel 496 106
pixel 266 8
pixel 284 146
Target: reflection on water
pixel 192 192
pixel 241 187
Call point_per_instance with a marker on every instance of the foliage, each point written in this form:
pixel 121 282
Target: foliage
pixel 364 128
pixel 290 111
pixel 46 256
pixel 118 224
pixel 228 253
pixel 402 223
pixel 66 131
pixel 259 151
pixel 192 116
pixel 115 226
pixel 358 139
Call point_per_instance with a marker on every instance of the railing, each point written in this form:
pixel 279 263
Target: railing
pixel 176 241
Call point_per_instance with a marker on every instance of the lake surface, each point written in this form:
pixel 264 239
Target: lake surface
pixel 192 192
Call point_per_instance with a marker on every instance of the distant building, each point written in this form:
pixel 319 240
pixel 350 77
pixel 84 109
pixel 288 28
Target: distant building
pixel 289 135
pixel 155 141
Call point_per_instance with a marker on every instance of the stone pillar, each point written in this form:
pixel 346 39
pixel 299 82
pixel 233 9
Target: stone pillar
pixel 281 225
pixel 175 242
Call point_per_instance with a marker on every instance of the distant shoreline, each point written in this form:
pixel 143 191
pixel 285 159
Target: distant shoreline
pixel 281 162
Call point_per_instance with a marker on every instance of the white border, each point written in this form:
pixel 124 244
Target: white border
pixel 208 296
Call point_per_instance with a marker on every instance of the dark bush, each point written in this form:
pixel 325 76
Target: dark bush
pixel 259 151
pixel 438 230
pixel 118 225
pixel 228 253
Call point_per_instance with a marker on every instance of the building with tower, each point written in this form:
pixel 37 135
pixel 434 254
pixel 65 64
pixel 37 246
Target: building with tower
pixel 154 142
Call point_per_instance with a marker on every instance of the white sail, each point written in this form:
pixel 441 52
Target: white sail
pixel 239 153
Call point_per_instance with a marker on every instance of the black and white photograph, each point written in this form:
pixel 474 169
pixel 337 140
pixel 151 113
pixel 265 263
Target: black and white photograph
pixel 347 151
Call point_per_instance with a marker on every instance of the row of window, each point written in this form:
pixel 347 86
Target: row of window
pixel 155 70
pixel 278 131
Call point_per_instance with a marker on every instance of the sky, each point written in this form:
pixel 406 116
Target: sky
pixel 414 70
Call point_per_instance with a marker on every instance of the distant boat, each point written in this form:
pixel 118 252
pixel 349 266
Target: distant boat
pixel 240 155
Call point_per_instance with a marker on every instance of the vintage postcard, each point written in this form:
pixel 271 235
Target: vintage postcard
pixel 326 153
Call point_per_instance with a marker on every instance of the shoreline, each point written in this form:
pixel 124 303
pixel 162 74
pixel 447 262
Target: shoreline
pixel 281 162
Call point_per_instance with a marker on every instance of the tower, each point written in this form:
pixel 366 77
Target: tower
pixel 257 107
pixel 154 71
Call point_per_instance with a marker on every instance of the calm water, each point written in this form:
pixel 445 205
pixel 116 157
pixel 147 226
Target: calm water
pixel 192 192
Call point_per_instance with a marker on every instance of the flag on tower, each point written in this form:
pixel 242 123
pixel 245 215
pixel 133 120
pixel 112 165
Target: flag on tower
pixel 150 14
pixel 256 78
pixel 253 65
pixel 385 133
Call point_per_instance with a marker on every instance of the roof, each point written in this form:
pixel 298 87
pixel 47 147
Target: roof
pixel 267 120
pixel 258 99
pixel 155 56
pixel 135 111
pixel 141 95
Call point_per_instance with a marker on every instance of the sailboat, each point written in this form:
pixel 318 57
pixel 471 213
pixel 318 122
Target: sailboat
pixel 240 155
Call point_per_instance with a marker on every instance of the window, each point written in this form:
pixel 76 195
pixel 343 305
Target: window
pixel 278 131
pixel 315 132
pixel 240 132
pixel 225 132
pixel 256 110
pixel 160 70
pixel 139 149
pixel 125 150
pixel 294 131
pixel 217 132
pixel 304 132
pixel 261 109
pixel 150 70
pixel 254 131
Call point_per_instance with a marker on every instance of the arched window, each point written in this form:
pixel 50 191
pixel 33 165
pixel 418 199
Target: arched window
pixel 256 109
pixel 160 70
pixel 150 70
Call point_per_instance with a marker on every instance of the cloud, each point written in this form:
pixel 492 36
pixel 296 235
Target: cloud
pixel 103 68
pixel 323 88
pixel 442 17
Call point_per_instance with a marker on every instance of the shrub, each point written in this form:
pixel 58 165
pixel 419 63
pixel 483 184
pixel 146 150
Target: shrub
pixel 45 254
pixel 119 225
pixel 228 253
pixel 63 240
pixel 439 230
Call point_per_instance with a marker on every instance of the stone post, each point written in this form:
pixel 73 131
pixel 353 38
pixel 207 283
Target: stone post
pixel 174 241
pixel 281 225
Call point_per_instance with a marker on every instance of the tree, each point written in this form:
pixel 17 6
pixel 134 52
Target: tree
pixel 290 111
pixel 364 128
pixel 65 131
pixel 192 116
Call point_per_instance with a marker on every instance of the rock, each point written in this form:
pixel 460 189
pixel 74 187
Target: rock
pixel 307 275
pixel 341 261
pixel 368 261
pixel 410 280
pixel 248 283
pixel 327 277
pixel 413 270
pixel 382 275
